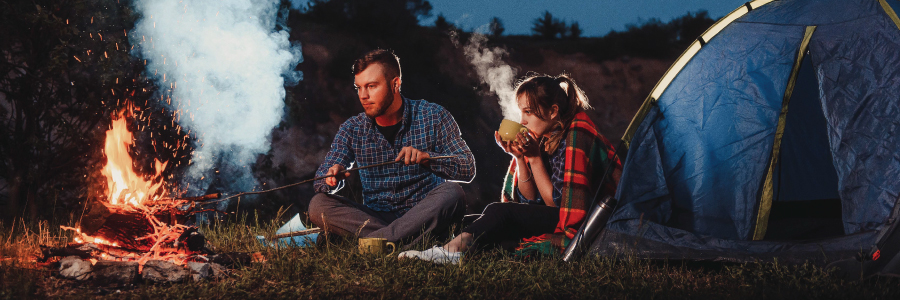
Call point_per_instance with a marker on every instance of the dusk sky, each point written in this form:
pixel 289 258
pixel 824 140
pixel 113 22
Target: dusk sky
pixel 595 17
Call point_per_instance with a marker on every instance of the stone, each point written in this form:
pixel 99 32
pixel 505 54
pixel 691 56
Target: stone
pixel 116 272
pixel 73 267
pixel 199 271
pixel 160 271
pixel 218 271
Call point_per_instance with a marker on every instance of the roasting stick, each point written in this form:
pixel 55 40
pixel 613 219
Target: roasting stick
pixel 318 178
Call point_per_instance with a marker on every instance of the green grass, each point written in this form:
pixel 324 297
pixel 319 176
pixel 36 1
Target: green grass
pixel 335 270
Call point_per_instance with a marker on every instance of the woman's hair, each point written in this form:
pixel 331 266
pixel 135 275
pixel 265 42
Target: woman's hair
pixel 543 91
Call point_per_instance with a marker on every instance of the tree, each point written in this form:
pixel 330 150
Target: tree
pixel 548 27
pixel 379 18
pixel 690 26
pixel 575 31
pixel 442 25
pixel 64 69
pixel 496 27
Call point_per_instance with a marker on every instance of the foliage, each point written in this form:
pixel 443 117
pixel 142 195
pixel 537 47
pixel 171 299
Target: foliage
pixel 654 38
pixel 66 69
pixel 495 27
pixel 441 24
pixel 385 18
pixel 574 31
pixel 548 27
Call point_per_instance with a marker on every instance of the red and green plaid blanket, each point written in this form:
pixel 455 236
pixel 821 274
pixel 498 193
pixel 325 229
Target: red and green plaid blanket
pixel 588 154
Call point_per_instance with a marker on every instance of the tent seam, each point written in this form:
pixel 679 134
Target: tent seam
pixel 890 12
pixel 765 201
pixel 801 25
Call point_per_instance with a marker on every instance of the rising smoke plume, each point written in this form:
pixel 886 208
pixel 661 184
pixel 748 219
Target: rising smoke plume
pixel 491 69
pixel 224 64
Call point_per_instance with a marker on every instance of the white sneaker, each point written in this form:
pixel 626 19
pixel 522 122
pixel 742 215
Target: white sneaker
pixel 436 254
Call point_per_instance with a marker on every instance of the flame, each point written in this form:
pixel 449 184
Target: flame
pixel 124 185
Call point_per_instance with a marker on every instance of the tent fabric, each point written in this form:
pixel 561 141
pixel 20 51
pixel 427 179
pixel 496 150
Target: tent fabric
pixel 693 176
pixel 806 169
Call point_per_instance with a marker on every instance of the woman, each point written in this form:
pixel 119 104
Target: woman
pixel 557 164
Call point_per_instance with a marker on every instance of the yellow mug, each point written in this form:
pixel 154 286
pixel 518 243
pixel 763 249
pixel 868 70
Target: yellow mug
pixel 509 129
pixel 375 246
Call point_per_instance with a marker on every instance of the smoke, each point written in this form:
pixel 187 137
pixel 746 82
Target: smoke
pixel 221 66
pixel 492 71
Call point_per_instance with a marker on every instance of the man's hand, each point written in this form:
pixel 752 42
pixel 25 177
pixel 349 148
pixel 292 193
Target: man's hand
pixel 410 155
pixel 337 171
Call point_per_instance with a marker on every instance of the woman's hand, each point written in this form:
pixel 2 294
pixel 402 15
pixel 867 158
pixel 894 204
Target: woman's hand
pixel 527 144
pixel 508 147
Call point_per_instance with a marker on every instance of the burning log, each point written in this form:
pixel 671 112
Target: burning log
pixel 51 252
pixel 124 228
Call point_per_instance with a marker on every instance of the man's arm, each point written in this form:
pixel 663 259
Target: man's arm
pixel 450 142
pixel 340 154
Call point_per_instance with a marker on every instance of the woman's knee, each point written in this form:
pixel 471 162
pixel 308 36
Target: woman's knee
pixel 497 209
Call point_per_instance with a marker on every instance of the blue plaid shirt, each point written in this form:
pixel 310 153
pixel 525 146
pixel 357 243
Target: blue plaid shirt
pixel 397 187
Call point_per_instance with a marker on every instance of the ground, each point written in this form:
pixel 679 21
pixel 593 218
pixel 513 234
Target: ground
pixel 335 270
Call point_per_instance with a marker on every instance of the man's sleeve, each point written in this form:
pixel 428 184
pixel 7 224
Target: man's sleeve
pixel 461 167
pixel 341 154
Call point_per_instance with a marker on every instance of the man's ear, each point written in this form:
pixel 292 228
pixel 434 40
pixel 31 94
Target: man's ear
pixel 554 111
pixel 395 84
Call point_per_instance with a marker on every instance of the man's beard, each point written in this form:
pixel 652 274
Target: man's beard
pixel 383 109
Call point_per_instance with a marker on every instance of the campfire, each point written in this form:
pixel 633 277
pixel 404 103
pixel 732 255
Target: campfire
pixel 137 227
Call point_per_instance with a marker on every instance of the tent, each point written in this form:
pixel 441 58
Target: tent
pixel 775 135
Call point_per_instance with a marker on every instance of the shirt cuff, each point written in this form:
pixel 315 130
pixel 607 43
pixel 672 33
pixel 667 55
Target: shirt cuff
pixel 523 200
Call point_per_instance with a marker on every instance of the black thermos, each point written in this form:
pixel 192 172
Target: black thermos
pixel 590 229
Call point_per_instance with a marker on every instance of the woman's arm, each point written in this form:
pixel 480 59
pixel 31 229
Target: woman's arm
pixel 541 181
pixel 534 180
pixel 526 180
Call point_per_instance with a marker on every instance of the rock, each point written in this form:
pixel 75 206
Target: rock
pixel 73 267
pixel 199 271
pixel 218 271
pixel 160 271
pixel 115 272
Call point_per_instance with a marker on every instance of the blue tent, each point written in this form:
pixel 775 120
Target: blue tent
pixel 775 135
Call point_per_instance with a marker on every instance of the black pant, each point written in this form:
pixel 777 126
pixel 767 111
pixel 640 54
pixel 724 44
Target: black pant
pixel 504 224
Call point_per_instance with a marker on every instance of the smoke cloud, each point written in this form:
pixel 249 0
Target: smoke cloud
pixel 491 69
pixel 222 66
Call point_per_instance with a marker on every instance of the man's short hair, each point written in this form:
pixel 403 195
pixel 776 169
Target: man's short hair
pixel 387 59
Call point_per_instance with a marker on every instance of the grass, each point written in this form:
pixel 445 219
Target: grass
pixel 335 270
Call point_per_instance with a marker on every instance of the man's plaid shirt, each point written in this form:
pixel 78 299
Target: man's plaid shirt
pixel 427 127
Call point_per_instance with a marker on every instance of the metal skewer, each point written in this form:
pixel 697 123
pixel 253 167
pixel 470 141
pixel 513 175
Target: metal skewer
pixel 318 178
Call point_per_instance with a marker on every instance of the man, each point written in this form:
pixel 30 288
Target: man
pixel 401 201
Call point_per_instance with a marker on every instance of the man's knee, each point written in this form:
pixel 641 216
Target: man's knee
pixel 452 194
pixel 318 206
